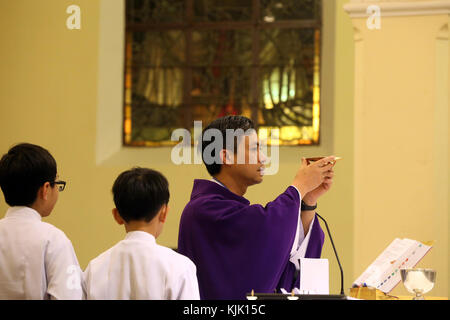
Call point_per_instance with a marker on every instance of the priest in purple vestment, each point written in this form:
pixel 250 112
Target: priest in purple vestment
pixel 238 247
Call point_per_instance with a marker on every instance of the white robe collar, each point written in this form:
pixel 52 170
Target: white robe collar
pixel 140 235
pixel 23 212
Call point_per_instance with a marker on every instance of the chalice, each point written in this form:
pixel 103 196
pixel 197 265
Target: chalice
pixel 418 281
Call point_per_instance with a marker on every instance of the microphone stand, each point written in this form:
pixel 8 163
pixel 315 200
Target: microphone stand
pixel 335 253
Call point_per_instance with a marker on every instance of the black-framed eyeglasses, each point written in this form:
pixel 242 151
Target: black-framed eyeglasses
pixel 61 185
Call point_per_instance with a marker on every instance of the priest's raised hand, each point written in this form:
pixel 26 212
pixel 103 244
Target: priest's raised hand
pixel 312 181
pixel 315 178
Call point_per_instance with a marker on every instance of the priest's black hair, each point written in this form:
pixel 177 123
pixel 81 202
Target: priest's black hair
pixel 23 170
pixel 139 194
pixel 222 124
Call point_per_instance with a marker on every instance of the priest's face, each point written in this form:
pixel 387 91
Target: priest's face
pixel 249 160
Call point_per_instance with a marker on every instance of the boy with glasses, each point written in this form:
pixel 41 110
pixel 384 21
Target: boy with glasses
pixel 37 260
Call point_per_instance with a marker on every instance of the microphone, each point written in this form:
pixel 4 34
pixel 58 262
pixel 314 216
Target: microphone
pixel 335 253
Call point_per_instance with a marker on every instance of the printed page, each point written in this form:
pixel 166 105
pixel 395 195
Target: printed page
pixel 392 277
pixel 384 272
pixel 372 275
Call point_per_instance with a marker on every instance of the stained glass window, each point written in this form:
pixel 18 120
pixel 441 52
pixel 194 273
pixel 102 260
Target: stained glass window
pixel 197 60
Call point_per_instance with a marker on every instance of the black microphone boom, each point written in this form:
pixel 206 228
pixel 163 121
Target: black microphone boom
pixel 335 253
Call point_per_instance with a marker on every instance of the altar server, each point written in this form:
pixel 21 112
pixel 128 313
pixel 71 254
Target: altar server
pixel 37 260
pixel 137 267
pixel 238 247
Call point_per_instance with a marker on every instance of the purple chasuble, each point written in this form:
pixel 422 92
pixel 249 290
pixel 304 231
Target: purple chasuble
pixel 238 247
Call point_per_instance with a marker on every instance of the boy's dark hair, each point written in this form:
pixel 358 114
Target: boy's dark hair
pixel 23 170
pixel 222 124
pixel 140 193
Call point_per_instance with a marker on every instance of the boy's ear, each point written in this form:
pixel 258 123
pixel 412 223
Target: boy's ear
pixel 163 213
pixel 44 190
pixel 117 216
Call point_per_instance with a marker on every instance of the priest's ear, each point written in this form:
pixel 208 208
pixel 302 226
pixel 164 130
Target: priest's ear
pixel 226 157
pixel 117 216
pixel 163 213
